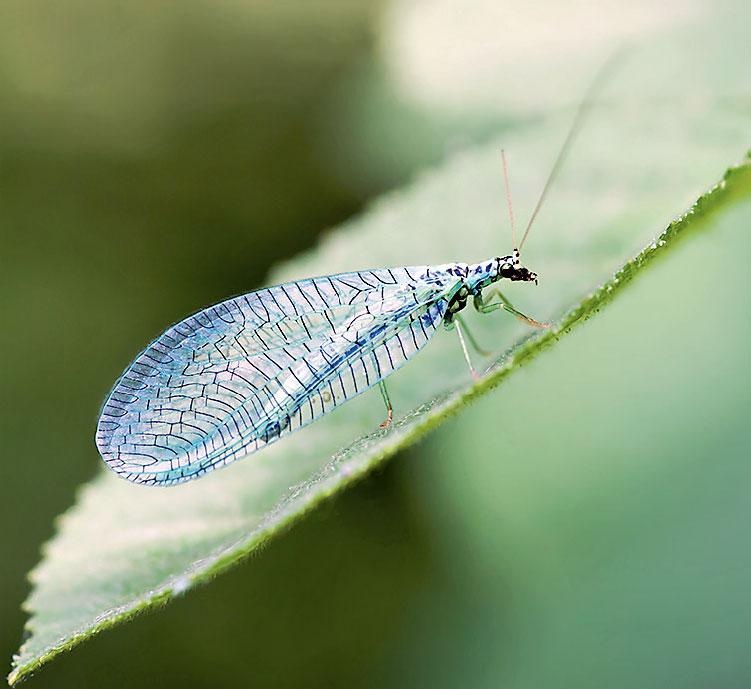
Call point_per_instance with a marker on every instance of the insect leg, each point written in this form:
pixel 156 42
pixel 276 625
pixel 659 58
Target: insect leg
pixel 471 338
pixel 487 306
pixel 387 402
pixel 472 370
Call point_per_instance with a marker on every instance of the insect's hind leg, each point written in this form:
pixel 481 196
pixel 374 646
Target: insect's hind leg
pixel 389 409
pixel 484 306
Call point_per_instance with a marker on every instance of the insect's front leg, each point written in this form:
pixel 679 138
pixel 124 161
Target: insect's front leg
pixel 485 305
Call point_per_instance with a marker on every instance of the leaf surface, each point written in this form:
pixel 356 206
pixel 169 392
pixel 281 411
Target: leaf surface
pixel 631 183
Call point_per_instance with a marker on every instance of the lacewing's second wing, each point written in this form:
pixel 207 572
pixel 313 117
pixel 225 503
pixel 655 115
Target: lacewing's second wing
pixel 234 377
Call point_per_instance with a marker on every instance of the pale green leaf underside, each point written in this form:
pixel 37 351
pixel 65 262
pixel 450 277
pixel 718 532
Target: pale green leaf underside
pixel 125 548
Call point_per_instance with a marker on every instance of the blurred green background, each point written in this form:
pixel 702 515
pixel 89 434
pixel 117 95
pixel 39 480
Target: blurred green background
pixel 156 157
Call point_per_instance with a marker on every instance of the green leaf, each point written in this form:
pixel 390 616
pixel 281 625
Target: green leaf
pixel 124 548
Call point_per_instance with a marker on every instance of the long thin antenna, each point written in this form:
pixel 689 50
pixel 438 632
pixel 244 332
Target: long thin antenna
pixel 508 197
pixel 581 112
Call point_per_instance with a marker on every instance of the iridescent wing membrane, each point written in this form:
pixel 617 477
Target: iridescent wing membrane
pixel 237 376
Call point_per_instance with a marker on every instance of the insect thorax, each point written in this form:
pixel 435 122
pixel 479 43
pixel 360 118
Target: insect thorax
pixel 475 278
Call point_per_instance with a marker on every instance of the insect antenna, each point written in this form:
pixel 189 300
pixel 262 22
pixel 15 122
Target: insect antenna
pixel 581 112
pixel 508 198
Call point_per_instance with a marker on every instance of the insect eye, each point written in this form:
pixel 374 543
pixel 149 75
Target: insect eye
pixel 507 270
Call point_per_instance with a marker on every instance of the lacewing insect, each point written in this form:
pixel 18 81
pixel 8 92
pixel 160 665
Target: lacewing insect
pixel 235 377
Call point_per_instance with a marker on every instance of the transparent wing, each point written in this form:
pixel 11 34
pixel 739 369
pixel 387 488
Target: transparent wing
pixel 235 377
